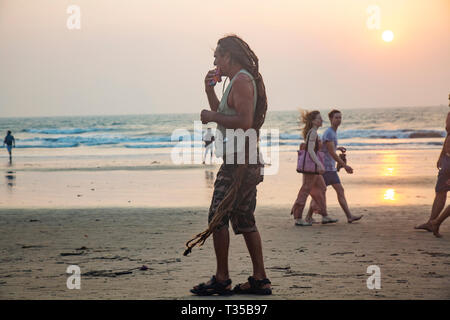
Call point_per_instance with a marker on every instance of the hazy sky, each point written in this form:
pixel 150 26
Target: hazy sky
pixel 148 56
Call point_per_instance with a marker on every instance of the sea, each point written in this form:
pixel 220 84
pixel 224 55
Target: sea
pixel 361 129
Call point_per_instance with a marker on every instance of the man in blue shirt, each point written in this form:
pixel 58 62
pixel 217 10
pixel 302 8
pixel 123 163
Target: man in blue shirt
pixel 330 176
pixel 10 143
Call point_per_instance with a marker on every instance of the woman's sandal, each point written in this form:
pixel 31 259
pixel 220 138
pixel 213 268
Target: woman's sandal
pixel 256 287
pixel 215 287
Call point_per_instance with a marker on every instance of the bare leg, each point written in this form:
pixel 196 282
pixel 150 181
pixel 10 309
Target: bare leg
pixel 318 188
pixel 310 211
pixel 254 246
pixel 436 223
pixel 221 239
pixel 300 202
pixel 343 203
pixel 318 193
pixel 438 205
pixel 204 156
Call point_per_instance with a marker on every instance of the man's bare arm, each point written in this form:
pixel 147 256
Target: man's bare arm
pixel 332 151
pixel 241 99
pixel 212 100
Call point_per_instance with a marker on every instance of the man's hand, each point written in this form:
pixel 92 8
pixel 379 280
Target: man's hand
pixel 321 169
pixel 208 78
pixel 207 116
pixel 348 169
pixel 342 149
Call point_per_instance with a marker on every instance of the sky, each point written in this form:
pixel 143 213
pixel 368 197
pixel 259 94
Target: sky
pixel 149 56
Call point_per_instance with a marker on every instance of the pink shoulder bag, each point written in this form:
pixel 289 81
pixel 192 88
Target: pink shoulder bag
pixel 304 162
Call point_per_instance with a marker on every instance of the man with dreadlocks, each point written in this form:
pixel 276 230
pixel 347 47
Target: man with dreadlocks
pixel 243 106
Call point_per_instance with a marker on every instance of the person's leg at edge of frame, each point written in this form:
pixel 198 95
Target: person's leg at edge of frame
pixel 438 206
pixel 436 223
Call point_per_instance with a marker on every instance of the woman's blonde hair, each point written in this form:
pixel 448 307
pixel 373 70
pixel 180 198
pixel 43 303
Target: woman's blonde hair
pixel 307 117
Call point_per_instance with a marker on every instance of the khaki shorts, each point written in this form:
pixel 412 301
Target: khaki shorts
pixel 242 216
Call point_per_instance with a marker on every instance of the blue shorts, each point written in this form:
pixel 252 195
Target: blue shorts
pixel 443 175
pixel 331 177
pixel 9 147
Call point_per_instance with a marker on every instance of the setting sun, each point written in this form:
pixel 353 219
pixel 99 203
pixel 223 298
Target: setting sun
pixel 388 36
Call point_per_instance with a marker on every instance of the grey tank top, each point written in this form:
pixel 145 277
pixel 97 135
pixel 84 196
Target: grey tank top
pixel 225 109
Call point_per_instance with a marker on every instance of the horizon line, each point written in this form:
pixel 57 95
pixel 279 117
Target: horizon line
pixel 185 113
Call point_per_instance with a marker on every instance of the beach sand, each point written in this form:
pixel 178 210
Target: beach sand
pixel 318 262
pixel 111 214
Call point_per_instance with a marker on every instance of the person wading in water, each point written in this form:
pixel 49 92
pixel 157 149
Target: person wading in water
pixel 243 106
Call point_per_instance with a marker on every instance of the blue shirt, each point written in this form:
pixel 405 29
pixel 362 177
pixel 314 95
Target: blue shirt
pixel 9 140
pixel 329 162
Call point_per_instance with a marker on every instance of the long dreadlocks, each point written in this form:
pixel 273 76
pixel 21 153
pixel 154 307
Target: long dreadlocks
pixel 240 53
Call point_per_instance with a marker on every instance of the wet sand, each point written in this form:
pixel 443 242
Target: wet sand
pixel 318 262
pixel 380 178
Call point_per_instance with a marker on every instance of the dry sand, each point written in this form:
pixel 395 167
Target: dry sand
pixel 318 262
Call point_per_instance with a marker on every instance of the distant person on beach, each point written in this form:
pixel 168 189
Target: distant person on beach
pixel 441 189
pixel 208 138
pixel 10 143
pixel 312 121
pixel 243 106
pixel 330 145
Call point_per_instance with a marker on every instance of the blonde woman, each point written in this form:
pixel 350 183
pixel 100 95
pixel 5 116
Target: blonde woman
pixel 312 121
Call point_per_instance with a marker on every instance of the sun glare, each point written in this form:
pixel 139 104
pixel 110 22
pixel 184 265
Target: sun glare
pixel 388 36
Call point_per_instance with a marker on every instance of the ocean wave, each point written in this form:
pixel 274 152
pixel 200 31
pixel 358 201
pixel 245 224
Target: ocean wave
pixel 377 134
pixel 50 146
pixel 67 130
pixel 148 146
pixel 365 138
pixel 95 140
pixel 368 144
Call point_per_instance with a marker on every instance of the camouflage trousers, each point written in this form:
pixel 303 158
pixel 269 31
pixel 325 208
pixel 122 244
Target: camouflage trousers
pixel 242 215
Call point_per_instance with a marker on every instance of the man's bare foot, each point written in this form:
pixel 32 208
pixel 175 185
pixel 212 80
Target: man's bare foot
pixel 425 226
pixel 435 228
pixel 354 218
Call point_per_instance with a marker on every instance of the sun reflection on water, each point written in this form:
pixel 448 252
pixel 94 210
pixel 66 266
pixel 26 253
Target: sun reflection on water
pixel 389 194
